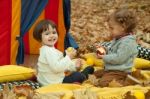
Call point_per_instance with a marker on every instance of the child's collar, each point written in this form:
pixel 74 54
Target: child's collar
pixel 124 35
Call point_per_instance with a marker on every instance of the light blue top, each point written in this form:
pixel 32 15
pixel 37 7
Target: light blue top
pixel 121 54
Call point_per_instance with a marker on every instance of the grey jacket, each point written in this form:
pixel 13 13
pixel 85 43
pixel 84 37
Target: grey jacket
pixel 121 54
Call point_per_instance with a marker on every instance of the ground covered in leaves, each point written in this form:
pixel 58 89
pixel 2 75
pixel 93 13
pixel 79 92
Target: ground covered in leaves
pixel 88 20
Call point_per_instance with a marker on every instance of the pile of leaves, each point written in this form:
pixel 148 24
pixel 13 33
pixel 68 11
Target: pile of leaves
pixel 16 92
pixel 27 92
pixel 88 20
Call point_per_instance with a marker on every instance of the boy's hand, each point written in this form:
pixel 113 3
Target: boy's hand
pixel 100 50
pixel 99 56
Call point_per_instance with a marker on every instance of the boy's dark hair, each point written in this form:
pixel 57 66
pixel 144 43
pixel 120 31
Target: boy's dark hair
pixel 41 27
pixel 125 18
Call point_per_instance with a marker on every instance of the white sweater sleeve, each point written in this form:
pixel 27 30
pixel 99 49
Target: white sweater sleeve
pixel 72 66
pixel 58 63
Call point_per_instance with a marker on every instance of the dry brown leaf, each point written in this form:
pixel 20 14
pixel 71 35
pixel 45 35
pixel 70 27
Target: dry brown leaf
pixel 114 83
pixel 147 95
pixel 23 90
pixel 129 96
pixel 93 80
pixel 6 93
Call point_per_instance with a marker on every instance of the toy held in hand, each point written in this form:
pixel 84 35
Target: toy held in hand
pixel 70 49
pixel 100 51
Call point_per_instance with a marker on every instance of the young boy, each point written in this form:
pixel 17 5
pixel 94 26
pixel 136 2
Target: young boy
pixel 120 56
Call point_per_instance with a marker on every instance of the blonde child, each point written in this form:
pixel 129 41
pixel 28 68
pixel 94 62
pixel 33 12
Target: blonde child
pixel 51 62
pixel 119 57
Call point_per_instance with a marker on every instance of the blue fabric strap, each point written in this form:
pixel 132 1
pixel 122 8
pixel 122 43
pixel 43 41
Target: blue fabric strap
pixel 69 40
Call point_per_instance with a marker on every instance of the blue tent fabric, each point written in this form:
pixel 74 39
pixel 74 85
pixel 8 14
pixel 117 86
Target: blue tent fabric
pixel 67 12
pixel 69 40
pixel 30 10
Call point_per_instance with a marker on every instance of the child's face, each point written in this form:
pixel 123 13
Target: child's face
pixel 49 37
pixel 115 28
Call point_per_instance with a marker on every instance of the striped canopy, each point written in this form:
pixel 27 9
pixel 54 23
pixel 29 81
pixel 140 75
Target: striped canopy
pixel 17 20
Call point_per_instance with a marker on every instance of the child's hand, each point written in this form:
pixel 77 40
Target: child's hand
pixel 78 64
pixel 100 50
pixel 67 72
pixel 71 52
